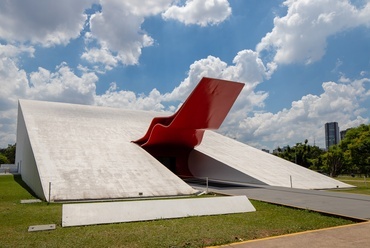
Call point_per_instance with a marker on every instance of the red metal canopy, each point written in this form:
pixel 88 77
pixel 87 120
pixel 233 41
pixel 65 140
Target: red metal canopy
pixel 205 108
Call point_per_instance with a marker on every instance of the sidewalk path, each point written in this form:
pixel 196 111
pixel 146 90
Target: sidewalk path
pixel 356 235
pixel 342 204
pixel 354 206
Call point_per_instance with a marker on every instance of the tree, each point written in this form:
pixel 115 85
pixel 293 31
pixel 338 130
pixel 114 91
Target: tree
pixel 3 159
pixel 9 153
pixel 356 147
pixel 302 154
pixel 333 161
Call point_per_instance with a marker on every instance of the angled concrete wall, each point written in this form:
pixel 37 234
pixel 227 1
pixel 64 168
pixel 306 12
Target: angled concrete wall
pixel 86 152
pixel 77 152
pixel 25 159
pixel 220 157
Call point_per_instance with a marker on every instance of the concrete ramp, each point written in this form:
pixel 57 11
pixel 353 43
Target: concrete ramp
pixel 225 159
pixel 77 152
pixel 114 212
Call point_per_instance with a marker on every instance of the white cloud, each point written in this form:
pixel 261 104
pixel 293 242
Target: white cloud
pixel 129 100
pixel 305 119
pixel 13 51
pixel 63 85
pixel 101 56
pixel 199 12
pixel 13 84
pixel 248 68
pixel 117 29
pixel 46 23
pixel 301 35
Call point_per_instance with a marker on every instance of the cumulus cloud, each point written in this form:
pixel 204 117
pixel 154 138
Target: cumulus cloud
pixel 46 23
pixel 130 100
pixel 301 35
pixel 14 51
pixel 247 68
pixel 305 119
pixel 115 33
pixel 117 30
pixel 63 85
pixel 199 12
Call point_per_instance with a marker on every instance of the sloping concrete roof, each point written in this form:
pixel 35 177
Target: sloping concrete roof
pixel 85 152
pixel 259 166
pixel 78 152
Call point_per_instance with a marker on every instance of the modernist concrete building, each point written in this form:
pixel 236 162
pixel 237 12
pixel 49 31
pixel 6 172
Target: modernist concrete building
pixel 77 152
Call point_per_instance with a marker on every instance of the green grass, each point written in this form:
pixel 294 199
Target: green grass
pixel 268 220
pixel 362 184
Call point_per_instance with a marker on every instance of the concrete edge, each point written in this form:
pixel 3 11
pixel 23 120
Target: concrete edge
pixel 129 211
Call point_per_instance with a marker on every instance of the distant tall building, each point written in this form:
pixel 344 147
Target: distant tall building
pixel 331 134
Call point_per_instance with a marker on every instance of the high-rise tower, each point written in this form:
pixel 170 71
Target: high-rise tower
pixel 331 134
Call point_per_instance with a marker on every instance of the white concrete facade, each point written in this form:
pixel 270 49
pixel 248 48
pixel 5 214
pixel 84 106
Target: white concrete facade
pixel 128 211
pixel 76 152
pixel 225 159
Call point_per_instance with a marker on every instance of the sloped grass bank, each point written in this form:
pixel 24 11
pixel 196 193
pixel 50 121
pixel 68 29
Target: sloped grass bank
pixel 268 220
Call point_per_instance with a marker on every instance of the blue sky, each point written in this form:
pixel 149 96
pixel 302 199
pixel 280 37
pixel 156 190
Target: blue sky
pixel 304 63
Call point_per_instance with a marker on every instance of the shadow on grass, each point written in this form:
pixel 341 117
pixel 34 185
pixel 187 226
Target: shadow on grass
pixel 19 180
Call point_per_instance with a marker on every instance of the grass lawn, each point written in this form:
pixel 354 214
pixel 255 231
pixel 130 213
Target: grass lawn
pixel 268 220
pixel 362 184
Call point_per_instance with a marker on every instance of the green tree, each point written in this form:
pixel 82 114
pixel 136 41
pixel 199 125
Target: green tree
pixel 333 161
pixel 302 154
pixel 356 147
pixel 9 153
pixel 3 159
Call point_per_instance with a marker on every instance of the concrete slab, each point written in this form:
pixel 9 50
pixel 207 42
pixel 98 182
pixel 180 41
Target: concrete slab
pixel 30 201
pixel 41 228
pixel 128 211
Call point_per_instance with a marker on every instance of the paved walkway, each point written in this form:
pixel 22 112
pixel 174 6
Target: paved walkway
pixel 342 204
pixel 356 235
pixel 354 206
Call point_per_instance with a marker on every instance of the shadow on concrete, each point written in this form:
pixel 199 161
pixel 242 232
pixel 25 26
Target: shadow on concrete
pixel 19 180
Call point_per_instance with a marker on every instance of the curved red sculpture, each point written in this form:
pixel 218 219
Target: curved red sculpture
pixel 205 108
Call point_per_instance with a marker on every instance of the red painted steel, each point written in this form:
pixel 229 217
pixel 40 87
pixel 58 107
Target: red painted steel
pixel 205 108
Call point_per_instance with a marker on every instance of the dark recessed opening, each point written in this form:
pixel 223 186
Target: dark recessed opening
pixel 169 162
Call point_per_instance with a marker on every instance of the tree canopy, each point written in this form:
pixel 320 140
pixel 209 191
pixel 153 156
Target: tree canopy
pixel 350 156
pixel 9 154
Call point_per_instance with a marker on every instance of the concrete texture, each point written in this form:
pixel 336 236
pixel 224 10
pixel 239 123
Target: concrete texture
pixel 225 159
pixel 41 228
pixel 74 152
pixel 113 212
pixel 77 152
